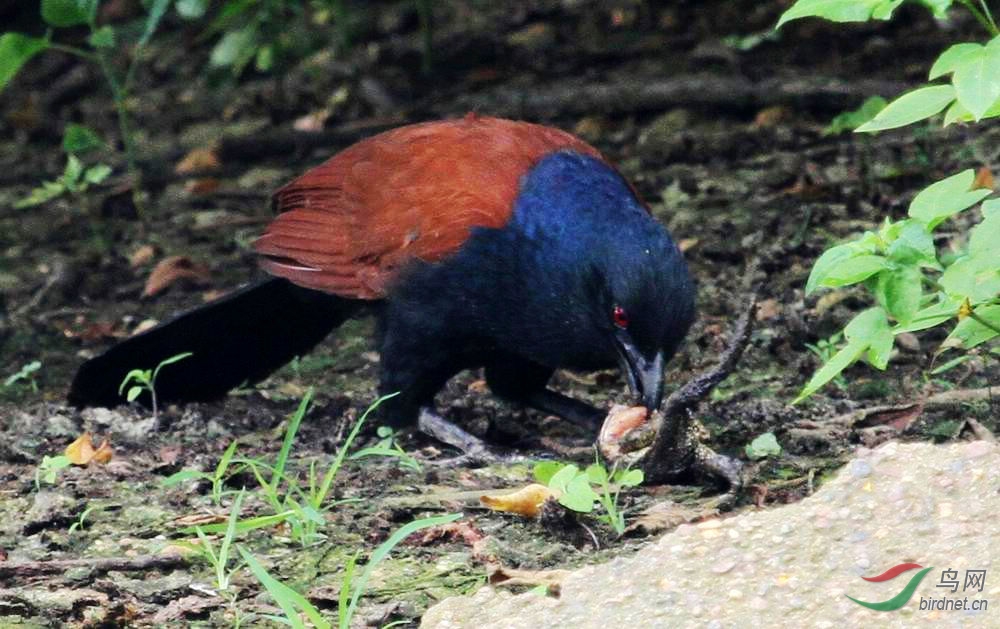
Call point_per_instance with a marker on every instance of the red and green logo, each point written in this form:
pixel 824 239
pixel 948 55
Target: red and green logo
pixel 904 595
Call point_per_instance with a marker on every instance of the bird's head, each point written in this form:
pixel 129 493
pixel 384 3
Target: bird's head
pixel 606 272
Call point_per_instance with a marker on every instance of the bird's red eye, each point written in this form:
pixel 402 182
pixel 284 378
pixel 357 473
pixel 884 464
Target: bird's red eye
pixel 620 317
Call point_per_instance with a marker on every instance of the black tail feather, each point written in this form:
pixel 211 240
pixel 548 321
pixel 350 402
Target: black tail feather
pixel 242 337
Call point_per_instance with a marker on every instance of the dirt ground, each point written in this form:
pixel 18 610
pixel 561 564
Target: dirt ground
pixel 717 121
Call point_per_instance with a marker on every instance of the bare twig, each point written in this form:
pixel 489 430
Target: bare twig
pixel 96 566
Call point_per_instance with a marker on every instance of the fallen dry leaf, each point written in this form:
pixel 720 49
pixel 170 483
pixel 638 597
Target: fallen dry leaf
pixel 984 179
pixel 171 270
pixel 142 256
pixel 312 122
pixel 82 451
pixel 198 519
pixel 197 160
pixel 771 116
pixel 201 187
pixel 526 501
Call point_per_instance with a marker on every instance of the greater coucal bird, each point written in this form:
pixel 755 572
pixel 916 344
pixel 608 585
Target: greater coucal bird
pixel 480 242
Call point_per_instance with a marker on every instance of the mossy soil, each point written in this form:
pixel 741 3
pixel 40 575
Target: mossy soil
pixel 733 181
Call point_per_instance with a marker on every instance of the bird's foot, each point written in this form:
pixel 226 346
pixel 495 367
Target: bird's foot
pixel 475 451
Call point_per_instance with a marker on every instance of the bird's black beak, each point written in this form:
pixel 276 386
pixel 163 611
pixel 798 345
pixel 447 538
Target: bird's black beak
pixel 645 376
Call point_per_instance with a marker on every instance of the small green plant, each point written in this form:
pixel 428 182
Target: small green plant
pixel 103 47
pixel 576 491
pixel 851 120
pixel 217 477
pixel 825 349
pixel 25 374
pixel 76 178
pixel 916 286
pixel 145 380
pixel 387 446
pixel 763 446
pixel 81 520
pixel 49 469
pixel 351 589
pixel 305 502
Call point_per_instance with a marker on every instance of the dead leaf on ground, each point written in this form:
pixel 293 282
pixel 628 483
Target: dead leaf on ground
pixel 771 116
pixel 984 179
pixel 198 519
pixel 82 451
pixel 95 331
pixel 173 269
pixel 526 501
pixel 201 187
pixel 199 159
pixel 142 256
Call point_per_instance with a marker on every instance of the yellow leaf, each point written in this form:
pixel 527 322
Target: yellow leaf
pixel 81 451
pixel 526 501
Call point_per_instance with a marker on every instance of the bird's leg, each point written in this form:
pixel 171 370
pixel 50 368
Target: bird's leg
pixel 523 381
pixel 474 450
pixel 575 411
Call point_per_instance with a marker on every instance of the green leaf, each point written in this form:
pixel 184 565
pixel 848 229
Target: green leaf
pixel 596 474
pixel 945 198
pixel 833 367
pixel 191 9
pixel 984 240
pixel 545 470
pixel 956 113
pixel 851 120
pixel 287 599
pixel 841 10
pixel 630 478
pixel 951 59
pixel 977 78
pixel 763 446
pixel 561 479
pixel 969 333
pixel 80 139
pixel 133 393
pixel 156 11
pixel 97 173
pixel 854 270
pixel 827 262
pixel 913 245
pixel 867 326
pixel 235 49
pixel 104 37
pixel 63 13
pixel 929 317
pixel 900 291
pixel 15 50
pixel 881 346
pixel 182 476
pixel 938 7
pixel 579 496
pixel 917 105
pixel 990 207
pixel 380 553
pixel 73 171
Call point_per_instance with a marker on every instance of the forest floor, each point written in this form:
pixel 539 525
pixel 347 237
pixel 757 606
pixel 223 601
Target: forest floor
pixel 717 121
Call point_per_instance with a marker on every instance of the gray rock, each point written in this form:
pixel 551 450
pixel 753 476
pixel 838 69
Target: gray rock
pixel 932 505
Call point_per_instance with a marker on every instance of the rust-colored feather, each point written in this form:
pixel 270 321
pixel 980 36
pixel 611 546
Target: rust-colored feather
pixel 349 224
